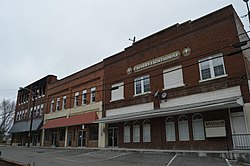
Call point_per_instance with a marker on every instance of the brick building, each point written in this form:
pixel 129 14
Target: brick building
pixel 74 102
pixel 24 107
pixel 185 87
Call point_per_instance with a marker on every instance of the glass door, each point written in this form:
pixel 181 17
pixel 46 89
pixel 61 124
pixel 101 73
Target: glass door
pixel 81 137
pixel 112 136
pixel 54 139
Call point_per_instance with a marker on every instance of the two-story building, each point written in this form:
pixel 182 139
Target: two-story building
pixel 74 102
pixel 29 98
pixel 185 87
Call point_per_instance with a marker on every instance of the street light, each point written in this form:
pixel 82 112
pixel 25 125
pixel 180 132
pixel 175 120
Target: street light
pixel 31 118
pixel 248 11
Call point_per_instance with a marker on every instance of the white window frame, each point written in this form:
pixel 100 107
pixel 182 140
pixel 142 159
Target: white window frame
pixel 38 110
pixel 41 109
pixel 198 127
pixel 84 97
pixel 211 67
pixel 183 128
pixel 117 91
pixel 126 133
pixel 64 100
pixel 76 99
pixel 170 129
pixel 141 81
pixel 93 95
pixel 57 104
pixel 146 131
pixel 177 70
pixel 51 105
pixel 136 132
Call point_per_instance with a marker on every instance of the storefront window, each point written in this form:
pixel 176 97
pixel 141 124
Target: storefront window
pixel 93 132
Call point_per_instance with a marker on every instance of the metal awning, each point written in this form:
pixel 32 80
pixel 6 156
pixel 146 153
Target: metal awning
pixel 24 126
pixel 175 110
pixel 85 118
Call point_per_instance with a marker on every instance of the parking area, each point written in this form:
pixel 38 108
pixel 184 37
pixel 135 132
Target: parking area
pixel 89 157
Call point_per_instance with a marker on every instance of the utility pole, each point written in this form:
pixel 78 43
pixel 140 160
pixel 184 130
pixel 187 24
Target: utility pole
pixel 248 11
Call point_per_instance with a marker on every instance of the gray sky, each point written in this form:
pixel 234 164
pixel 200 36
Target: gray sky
pixel 61 37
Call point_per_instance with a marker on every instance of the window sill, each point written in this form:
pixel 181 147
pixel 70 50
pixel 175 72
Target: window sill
pixel 174 86
pixel 117 99
pixel 214 78
pixel 141 94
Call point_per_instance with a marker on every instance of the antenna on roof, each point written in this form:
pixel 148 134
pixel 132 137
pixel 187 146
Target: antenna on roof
pixel 133 40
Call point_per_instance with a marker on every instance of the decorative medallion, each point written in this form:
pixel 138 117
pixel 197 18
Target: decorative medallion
pixel 186 51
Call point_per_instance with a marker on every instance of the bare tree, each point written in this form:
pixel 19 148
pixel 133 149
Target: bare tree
pixel 7 111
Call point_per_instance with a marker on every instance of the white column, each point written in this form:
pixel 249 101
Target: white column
pixel 102 137
pixel 66 137
pixel 43 135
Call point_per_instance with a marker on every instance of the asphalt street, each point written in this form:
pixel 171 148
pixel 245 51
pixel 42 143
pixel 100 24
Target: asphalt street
pixel 88 157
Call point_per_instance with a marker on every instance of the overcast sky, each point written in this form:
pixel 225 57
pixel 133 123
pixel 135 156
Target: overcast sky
pixel 61 37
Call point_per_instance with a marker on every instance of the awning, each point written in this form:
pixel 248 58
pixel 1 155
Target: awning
pixel 24 126
pixel 180 109
pixel 86 118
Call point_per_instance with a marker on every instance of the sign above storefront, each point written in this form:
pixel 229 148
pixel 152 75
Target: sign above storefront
pixel 158 61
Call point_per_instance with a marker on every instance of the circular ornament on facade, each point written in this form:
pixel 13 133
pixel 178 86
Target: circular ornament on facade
pixel 163 95
pixel 186 51
pixel 129 70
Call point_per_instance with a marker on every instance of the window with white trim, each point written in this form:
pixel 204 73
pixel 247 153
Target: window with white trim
pixel 26 114
pixel 35 109
pixel 146 131
pixel 58 104
pixel 31 109
pixel 92 94
pixel 64 102
pixel 212 67
pixel 41 110
pixel 117 91
pixel 84 97
pixel 142 85
pixel 51 105
pixel 173 77
pixel 183 128
pixel 76 101
pixel 170 129
pixel 126 134
pixel 136 131
pixel 198 127
pixel 38 111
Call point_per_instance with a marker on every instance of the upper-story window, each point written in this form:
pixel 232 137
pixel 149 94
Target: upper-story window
pixel 117 91
pixel 92 95
pixel 212 67
pixel 52 106
pixel 173 77
pixel 64 102
pixel 142 85
pixel 76 102
pixel 58 104
pixel 41 110
pixel 84 97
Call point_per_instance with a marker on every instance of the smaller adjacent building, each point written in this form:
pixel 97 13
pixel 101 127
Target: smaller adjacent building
pixel 31 100
pixel 74 103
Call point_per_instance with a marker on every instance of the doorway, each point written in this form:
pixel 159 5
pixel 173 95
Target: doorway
pixel 54 139
pixel 112 136
pixel 239 137
pixel 81 137
pixel 70 139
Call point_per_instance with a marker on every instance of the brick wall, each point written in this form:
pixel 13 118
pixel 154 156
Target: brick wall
pixel 158 134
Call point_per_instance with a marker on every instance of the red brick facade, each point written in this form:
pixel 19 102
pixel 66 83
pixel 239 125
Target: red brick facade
pixel 206 36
